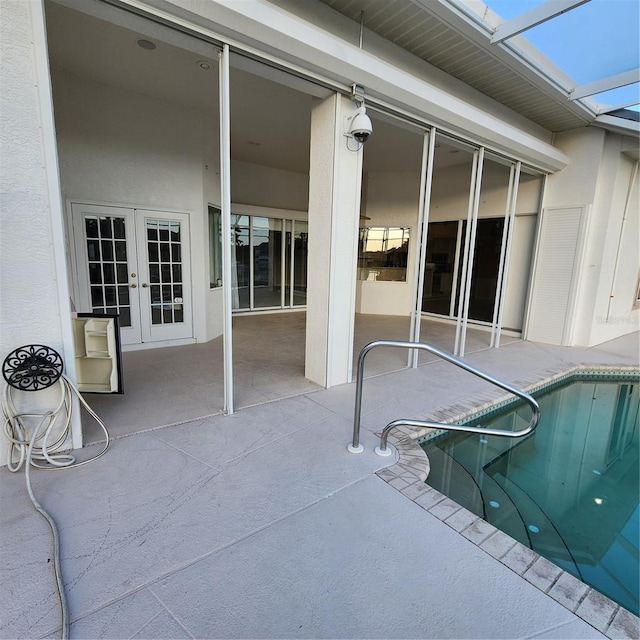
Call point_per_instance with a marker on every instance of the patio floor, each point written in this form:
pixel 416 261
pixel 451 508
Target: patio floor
pixel 262 525
pixel 175 384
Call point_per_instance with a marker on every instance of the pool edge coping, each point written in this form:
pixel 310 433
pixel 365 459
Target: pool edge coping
pixel 410 471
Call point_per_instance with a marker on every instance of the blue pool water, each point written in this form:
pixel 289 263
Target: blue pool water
pixel 569 491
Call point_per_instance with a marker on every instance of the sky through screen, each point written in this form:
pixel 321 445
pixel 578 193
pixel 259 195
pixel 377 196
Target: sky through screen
pixel 591 42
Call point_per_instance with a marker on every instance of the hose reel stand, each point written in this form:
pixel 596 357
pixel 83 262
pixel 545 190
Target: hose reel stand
pixel 32 368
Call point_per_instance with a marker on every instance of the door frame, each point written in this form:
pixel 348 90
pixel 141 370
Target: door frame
pixel 74 267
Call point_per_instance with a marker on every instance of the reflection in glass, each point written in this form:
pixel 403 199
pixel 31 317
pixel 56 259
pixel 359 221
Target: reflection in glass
pixel 267 262
pixel 93 249
pixel 300 252
pixel 97 299
pixel 484 277
pixel 105 228
pixel 91 226
pixel 215 247
pixel 383 253
pixel 442 240
pixel 240 248
pixel 107 250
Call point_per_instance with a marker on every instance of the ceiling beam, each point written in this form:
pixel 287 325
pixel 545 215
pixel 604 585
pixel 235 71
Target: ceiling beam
pixel 533 17
pixel 617 107
pixel 606 84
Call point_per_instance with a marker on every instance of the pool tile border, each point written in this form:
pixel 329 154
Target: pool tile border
pixel 412 467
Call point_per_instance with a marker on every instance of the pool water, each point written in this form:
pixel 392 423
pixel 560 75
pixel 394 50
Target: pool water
pixel 569 491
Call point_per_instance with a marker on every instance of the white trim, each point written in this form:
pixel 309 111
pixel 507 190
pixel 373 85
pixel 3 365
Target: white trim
pixel 532 18
pixel 472 250
pixel 618 125
pixel 606 84
pixel 534 259
pixel 225 209
pixel 473 324
pixel 306 47
pixel 576 283
pixel 52 172
pixel 426 183
pixel 143 346
pixel 335 182
pixel 268 212
pixel 506 259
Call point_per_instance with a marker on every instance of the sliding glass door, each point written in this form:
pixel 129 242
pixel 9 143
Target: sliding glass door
pixel 265 262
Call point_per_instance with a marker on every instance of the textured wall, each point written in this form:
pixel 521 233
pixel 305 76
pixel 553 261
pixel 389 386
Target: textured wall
pixel 30 311
pixel 601 178
pixel 29 289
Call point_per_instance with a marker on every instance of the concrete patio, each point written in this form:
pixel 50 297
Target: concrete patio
pixel 262 525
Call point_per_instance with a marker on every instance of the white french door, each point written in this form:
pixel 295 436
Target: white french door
pixel 135 263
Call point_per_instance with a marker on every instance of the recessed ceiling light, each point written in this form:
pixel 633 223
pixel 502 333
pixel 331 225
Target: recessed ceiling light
pixel 146 44
pixel 203 64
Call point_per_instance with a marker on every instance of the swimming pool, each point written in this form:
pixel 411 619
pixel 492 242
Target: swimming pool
pixel 569 491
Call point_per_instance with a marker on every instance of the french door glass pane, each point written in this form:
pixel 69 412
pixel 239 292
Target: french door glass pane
pixel 165 271
pixel 107 258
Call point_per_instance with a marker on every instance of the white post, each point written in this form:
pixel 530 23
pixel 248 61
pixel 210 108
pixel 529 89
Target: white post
pixel 505 254
pixel 426 173
pixel 225 208
pixel 334 210
pixel 471 245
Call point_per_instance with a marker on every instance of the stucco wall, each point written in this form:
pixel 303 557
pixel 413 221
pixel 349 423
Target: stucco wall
pixel 614 241
pixel 600 178
pixel 269 187
pixel 34 307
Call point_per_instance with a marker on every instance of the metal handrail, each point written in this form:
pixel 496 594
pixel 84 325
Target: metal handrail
pixel 356 447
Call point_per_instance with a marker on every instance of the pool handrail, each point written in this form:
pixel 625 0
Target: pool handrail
pixel 356 447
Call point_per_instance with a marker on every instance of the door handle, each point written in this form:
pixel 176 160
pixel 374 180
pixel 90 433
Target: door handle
pixel 133 286
pixel 144 285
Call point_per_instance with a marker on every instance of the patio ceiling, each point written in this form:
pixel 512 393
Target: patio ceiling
pixel 270 125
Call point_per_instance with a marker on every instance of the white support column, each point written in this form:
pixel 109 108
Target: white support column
pixel 334 209
pixel 225 208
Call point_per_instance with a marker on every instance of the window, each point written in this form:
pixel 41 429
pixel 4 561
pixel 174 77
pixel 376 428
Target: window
pixel 383 253
pixel 215 247
pixel 268 262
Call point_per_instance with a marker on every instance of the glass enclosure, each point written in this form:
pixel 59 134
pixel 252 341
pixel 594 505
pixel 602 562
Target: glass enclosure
pixel 264 265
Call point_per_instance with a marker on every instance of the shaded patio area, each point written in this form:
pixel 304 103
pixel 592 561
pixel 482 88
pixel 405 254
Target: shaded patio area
pixel 175 384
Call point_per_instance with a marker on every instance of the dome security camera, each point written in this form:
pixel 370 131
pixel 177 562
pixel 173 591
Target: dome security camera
pixel 361 127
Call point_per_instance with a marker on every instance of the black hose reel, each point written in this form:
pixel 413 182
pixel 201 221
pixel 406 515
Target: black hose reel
pixel 32 367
